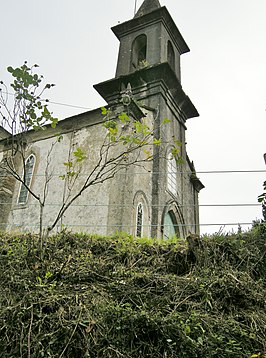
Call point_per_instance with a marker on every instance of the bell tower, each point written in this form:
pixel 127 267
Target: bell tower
pixel 149 39
pixel 150 49
pixel 149 65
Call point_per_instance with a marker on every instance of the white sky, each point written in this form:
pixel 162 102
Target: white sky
pixel 224 75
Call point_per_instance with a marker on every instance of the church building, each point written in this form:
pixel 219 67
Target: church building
pixel 156 199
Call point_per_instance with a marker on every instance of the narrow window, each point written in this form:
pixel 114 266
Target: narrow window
pixel 139 52
pixel 171 55
pixel 23 194
pixel 139 220
pixel 171 174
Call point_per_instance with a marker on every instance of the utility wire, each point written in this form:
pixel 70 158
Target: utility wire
pixel 163 173
pixel 130 226
pixel 229 171
pixel 57 103
pixel 130 205
pixel 70 105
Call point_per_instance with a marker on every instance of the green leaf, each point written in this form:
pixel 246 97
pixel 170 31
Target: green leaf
pixel 110 124
pixel 104 110
pixel 157 141
pixel 33 115
pixel 125 139
pixel 180 161
pixel 148 153
pixel 46 112
pixel 68 164
pixel 79 154
pixel 178 143
pixel 175 151
pixel 71 174
pixel 113 131
pixel 54 122
pixel 166 120
pixel 124 117
pixel 10 69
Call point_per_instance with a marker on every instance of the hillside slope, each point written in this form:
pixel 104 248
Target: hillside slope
pixel 124 297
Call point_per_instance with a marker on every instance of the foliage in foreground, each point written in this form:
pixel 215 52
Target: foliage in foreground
pixel 124 297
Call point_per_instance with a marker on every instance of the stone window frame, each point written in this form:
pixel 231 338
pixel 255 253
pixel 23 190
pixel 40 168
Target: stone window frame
pixel 139 219
pixel 174 222
pixel 139 52
pixel 23 191
pixel 141 198
pixel 173 208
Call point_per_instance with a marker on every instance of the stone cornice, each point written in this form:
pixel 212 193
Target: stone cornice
pixel 147 81
pixel 139 23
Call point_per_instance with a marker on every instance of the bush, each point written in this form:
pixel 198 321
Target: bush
pixel 88 296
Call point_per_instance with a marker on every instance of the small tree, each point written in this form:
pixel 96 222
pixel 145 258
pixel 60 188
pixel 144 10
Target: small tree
pixel 127 141
pixel 23 108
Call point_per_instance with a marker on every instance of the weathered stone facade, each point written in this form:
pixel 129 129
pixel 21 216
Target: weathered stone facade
pixel 149 65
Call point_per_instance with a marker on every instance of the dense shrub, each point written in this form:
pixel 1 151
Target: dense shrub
pixel 122 297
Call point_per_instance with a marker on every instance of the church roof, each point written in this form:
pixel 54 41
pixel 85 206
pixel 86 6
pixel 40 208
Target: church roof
pixel 147 7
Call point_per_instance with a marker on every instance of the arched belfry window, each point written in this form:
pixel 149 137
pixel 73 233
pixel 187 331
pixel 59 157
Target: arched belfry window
pixel 171 174
pixel 28 171
pixel 170 55
pixel 139 51
pixel 139 220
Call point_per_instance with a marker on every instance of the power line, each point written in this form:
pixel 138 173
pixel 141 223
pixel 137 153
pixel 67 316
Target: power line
pixel 57 103
pixel 162 173
pixel 230 171
pixel 132 226
pixel 70 105
pixel 131 205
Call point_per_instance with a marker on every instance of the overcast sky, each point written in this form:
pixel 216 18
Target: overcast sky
pixel 224 75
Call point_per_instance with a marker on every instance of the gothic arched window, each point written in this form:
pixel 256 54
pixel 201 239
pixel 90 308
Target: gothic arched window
pixel 28 171
pixel 139 51
pixel 139 220
pixel 170 227
pixel 171 174
pixel 170 55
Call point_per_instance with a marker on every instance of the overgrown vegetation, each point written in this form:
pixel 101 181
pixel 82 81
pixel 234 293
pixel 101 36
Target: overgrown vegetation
pixel 124 297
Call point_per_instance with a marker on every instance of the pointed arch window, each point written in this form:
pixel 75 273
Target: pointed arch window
pixel 171 55
pixel 139 220
pixel 29 167
pixel 171 174
pixel 170 227
pixel 139 51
